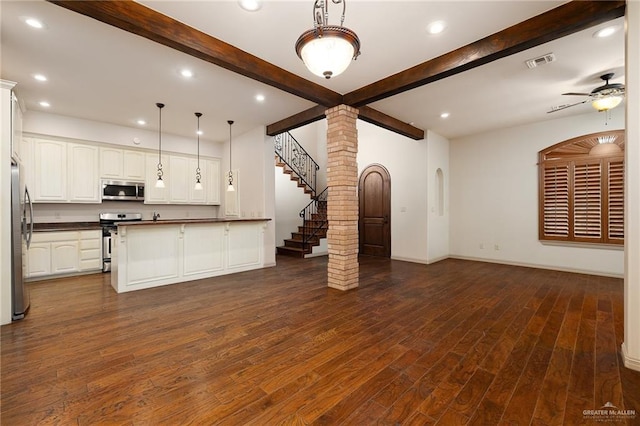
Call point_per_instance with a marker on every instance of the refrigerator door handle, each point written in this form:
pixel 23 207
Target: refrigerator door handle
pixel 29 234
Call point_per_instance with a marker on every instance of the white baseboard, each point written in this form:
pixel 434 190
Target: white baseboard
pixel 539 266
pixel 630 362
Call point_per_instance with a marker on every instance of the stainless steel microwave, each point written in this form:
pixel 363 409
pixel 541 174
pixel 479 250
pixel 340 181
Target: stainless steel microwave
pixel 122 191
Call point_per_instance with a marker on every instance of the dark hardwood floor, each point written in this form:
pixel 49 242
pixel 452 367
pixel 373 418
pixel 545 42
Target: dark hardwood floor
pixel 456 342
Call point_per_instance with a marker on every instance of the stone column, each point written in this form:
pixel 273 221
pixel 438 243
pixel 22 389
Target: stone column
pixel 342 202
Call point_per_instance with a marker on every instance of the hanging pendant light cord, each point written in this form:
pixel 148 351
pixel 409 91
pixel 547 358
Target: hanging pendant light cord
pixel 160 106
pixel 230 168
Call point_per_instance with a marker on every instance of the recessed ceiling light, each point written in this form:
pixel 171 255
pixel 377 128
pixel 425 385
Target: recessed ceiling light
pixel 34 23
pixel 45 104
pixel 186 73
pixel 260 98
pixel 436 27
pixel 606 31
pixel 444 115
pixel 40 77
pixel 199 132
pixel 141 122
pixel 250 5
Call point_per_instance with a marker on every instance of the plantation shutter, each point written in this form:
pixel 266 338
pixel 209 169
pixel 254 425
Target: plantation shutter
pixel 587 202
pixel 556 201
pixel 616 200
pixel 581 189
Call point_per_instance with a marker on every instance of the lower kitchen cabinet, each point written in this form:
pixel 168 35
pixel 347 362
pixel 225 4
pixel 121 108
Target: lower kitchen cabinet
pixel 68 252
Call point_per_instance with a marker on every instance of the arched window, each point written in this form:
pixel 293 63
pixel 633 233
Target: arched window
pixel 581 189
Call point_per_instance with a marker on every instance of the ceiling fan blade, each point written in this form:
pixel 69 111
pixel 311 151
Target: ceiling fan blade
pixel 560 108
pixel 577 94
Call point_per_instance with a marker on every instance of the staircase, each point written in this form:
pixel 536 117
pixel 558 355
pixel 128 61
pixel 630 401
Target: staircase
pixel 314 227
pixel 296 162
pixel 302 169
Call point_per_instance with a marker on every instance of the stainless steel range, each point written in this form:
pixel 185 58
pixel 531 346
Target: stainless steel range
pixel 109 223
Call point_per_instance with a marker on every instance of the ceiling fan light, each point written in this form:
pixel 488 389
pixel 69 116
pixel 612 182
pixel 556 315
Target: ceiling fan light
pixel 606 103
pixel 328 53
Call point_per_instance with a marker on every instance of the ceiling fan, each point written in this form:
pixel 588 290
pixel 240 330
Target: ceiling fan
pixel 602 98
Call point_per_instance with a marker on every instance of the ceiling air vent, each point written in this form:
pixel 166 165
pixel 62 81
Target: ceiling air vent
pixel 541 60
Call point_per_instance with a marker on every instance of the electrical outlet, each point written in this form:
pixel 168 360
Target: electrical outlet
pixel 481 246
pixel 496 247
pixel 56 215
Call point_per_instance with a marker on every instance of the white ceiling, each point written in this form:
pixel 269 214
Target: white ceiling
pixel 101 73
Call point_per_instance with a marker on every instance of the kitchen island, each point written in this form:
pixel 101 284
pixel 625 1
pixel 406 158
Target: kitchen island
pixel 154 253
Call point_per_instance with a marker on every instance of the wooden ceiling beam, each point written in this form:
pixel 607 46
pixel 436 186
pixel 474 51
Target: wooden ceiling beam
pixel 297 120
pixel 140 20
pixel 365 113
pixel 564 20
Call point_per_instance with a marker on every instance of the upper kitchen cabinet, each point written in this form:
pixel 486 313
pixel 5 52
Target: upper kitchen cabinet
pixel 122 164
pixel 179 184
pixel 179 176
pixel 65 172
pixel 50 171
pixel 152 194
pixel 83 180
pixel 12 121
pixel 211 180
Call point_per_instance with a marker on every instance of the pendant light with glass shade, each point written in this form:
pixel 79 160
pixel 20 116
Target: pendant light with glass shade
pixel 327 50
pixel 160 182
pixel 198 185
pixel 230 188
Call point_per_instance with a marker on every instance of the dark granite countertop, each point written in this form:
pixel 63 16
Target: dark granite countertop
pixel 66 226
pixel 186 221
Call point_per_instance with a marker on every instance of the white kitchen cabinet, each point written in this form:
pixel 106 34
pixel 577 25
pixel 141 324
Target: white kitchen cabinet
pixel 64 252
pixel 179 182
pixel 83 179
pixel 50 171
pixel 64 257
pixel 122 164
pixel 153 195
pixel 90 250
pixel 211 180
pixel 64 172
pixel 39 260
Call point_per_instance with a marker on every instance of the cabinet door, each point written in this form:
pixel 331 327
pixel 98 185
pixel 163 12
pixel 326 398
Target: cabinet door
pixel 212 181
pixel 179 182
pixel 197 196
pixel 64 257
pixel 153 195
pixel 39 262
pixel 133 165
pixel 16 129
pixel 83 179
pixel 50 174
pixel 111 163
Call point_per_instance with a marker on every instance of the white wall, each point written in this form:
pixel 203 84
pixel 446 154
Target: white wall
pixel 631 345
pixel 252 157
pixel 289 200
pixel 438 216
pixel 94 131
pixel 494 197
pixel 406 161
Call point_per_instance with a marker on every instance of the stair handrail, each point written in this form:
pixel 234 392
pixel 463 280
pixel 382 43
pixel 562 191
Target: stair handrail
pixel 297 158
pixel 308 229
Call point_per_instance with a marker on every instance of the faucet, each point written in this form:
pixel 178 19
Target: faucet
pixel 155 216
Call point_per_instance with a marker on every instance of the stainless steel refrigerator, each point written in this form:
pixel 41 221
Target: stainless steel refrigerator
pixel 21 232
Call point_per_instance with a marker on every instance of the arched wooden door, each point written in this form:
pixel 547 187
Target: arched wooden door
pixel 374 225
